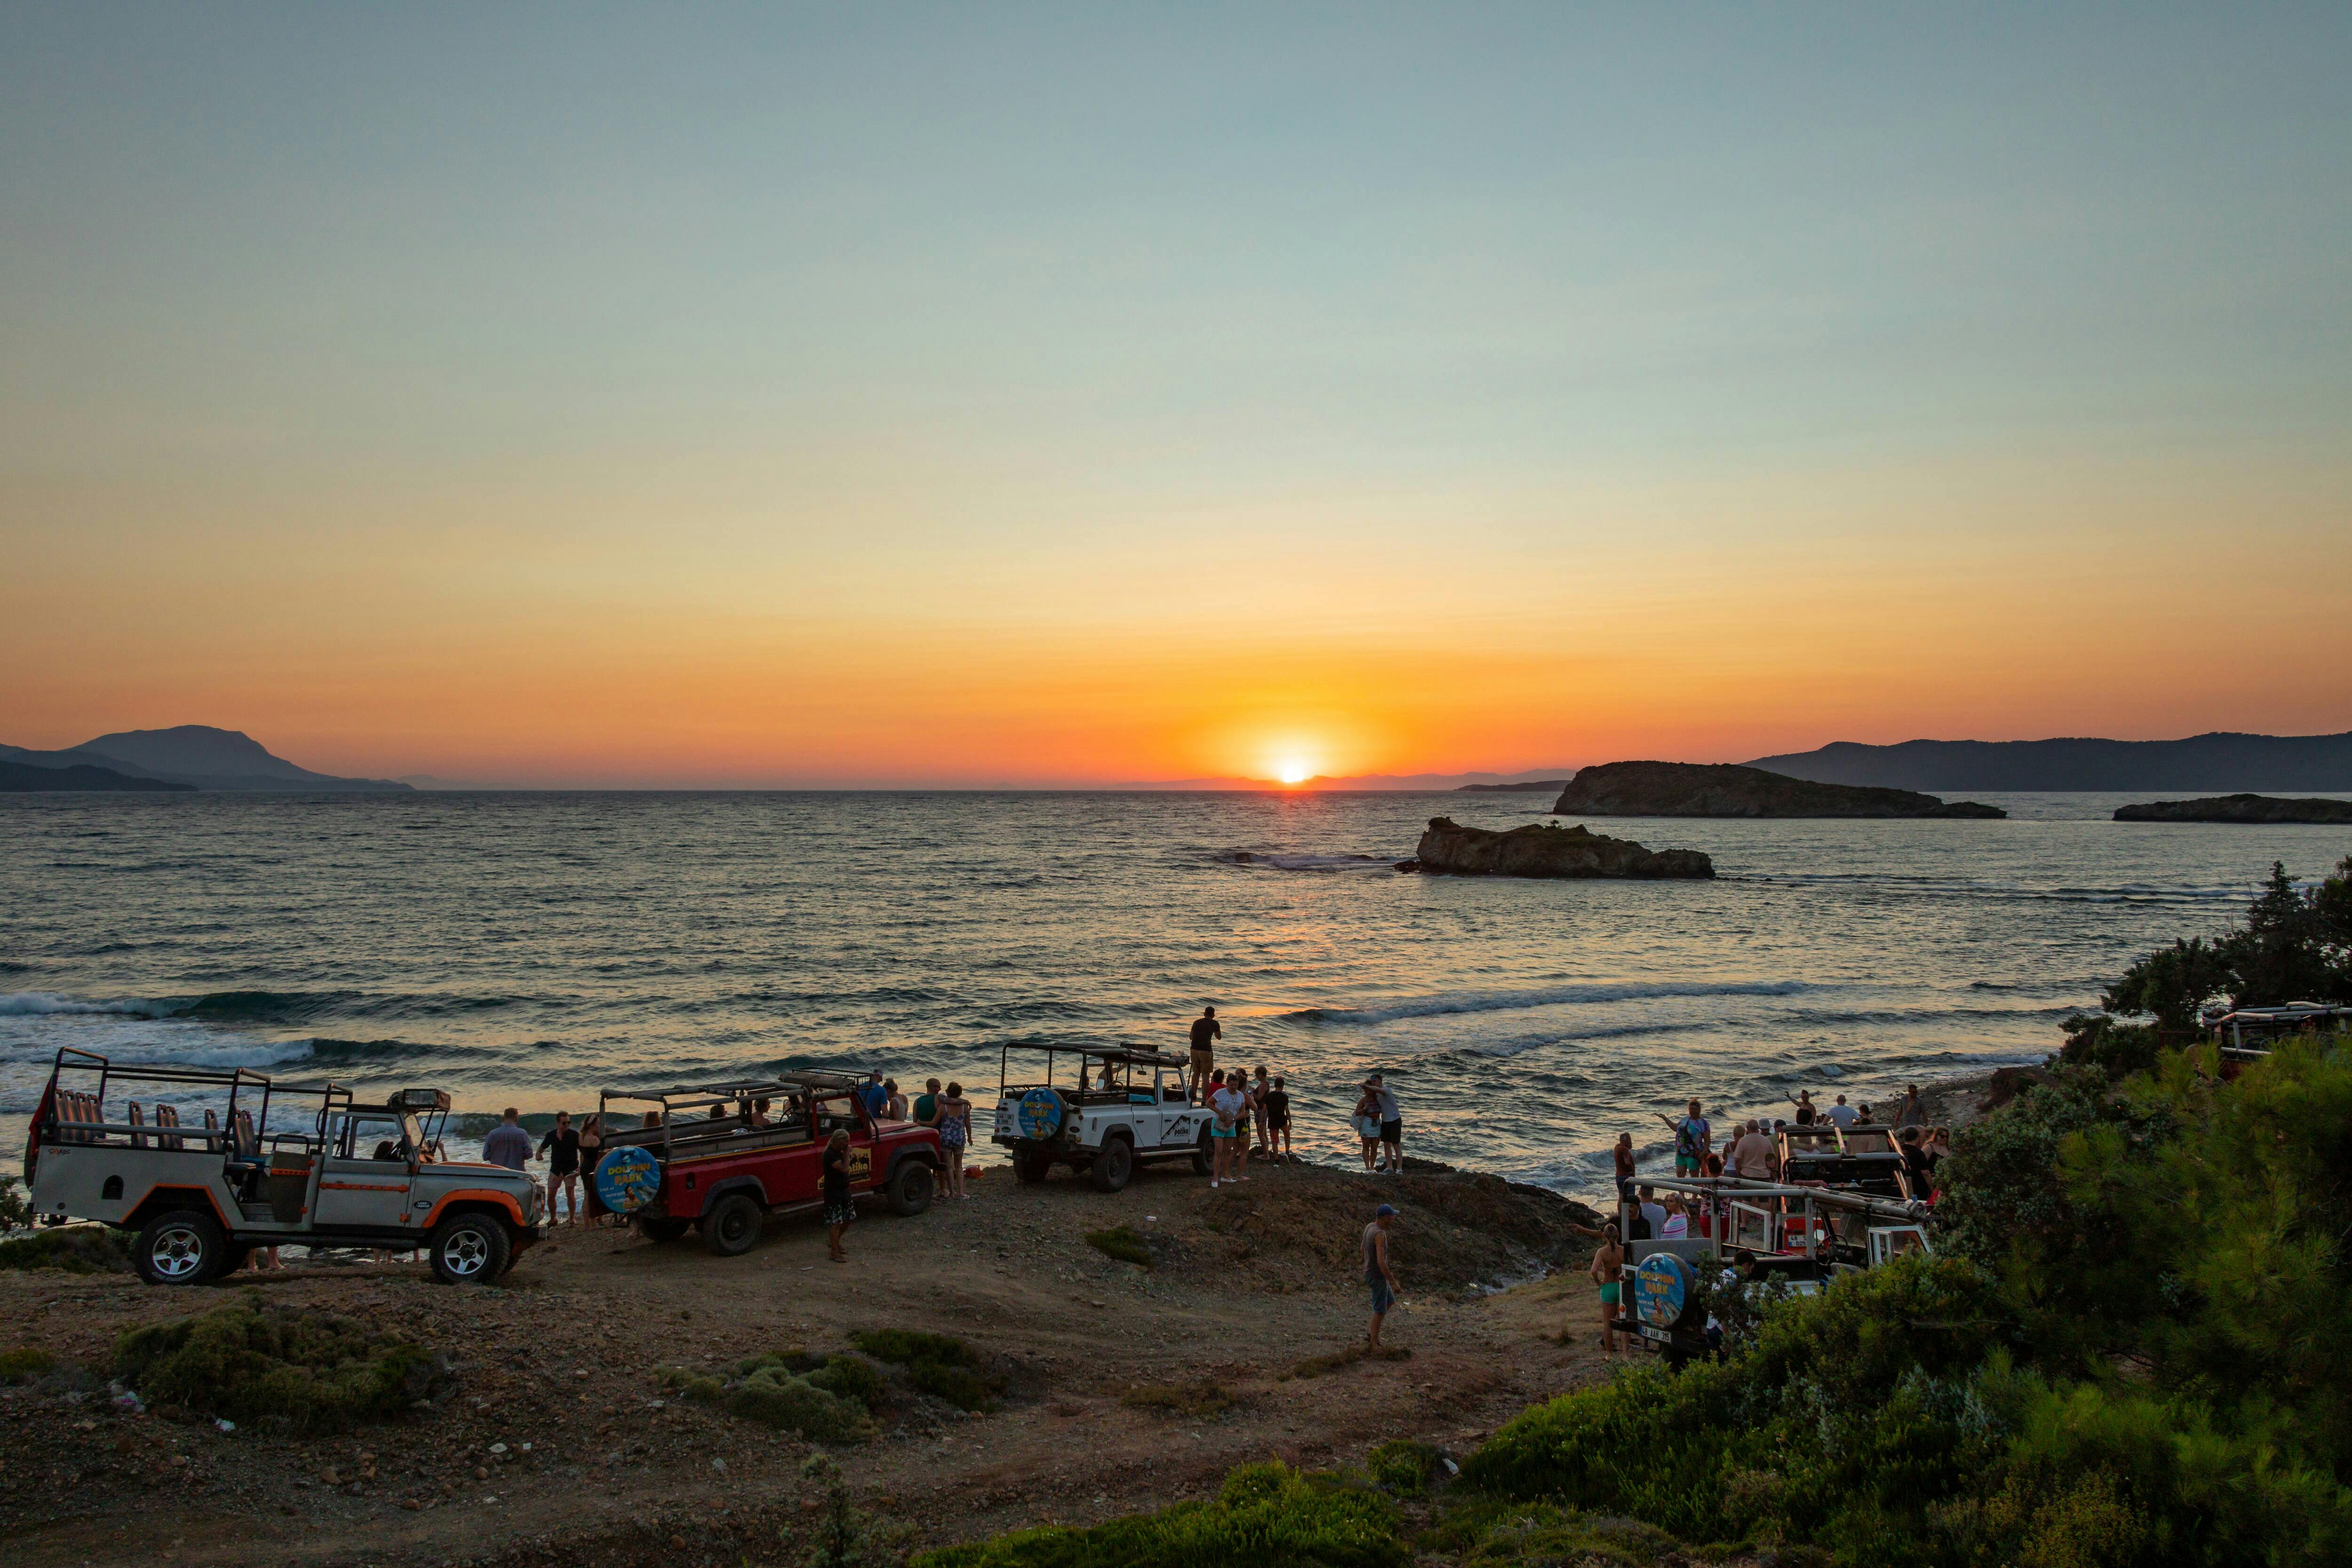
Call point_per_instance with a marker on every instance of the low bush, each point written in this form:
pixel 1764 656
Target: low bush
pixel 937 1364
pixel 74 1249
pixel 774 1397
pixel 1407 1467
pixel 1201 1398
pixel 15 1206
pixel 1264 1514
pixel 1122 1243
pixel 25 1364
pixel 279 1368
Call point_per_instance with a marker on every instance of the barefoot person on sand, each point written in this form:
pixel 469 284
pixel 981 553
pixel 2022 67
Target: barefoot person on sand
pixel 955 1131
pixel 1378 1274
pixel 1608 1261
pixel 840 1208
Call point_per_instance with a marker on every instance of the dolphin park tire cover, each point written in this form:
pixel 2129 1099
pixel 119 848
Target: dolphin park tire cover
pixel 1039 1114
pixel 626 1179
pixel 1661 1290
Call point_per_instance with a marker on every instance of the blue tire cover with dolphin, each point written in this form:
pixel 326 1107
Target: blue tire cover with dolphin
pixel 626 1179
pixel 1661 1290
pixel 1039 1114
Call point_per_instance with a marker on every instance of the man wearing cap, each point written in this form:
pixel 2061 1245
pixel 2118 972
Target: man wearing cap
pixel 1376 1272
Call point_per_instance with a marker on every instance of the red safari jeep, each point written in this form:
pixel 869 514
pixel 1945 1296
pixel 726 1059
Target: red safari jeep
pixel 726 1156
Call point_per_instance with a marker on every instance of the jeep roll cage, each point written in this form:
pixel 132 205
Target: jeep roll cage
pixel 1088 1087
pixel 792 1117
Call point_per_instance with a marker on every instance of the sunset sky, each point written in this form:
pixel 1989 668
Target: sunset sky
pixel 990 394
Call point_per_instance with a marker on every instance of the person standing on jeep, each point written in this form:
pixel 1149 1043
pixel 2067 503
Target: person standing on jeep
pixel 1206 1030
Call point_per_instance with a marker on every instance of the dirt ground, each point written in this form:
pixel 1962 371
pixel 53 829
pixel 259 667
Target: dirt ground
pixel 599 1464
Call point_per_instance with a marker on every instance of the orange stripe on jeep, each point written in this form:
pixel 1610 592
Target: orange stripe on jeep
pixel 210 1202
pixel 504 1200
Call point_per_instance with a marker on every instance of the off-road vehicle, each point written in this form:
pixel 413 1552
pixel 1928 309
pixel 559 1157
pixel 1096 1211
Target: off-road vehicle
pixel 268 1166
pixel 1123 1106
pixel 726 1156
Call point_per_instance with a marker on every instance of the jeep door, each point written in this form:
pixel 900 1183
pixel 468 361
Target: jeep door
pixel 356 1189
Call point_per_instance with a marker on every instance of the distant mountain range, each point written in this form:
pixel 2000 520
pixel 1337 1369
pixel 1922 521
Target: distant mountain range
pixel 190 756
pixel 2218 762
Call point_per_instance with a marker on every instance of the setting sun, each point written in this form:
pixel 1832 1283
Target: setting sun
pixel 1293 772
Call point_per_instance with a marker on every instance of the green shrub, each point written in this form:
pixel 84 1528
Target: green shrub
pixel 937 1364
pixel 849 1377
pixel 1201 1398
pixel 278 1368
pixel 73 1250
pixel 25 1364
pixel 1122 1243
pixel 1264 1515
pixel 15 1206
pixel 775 1397
pixel 1405 1467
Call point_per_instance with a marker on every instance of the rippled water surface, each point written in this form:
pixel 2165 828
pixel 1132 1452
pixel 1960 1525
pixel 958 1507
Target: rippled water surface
pixel 529 948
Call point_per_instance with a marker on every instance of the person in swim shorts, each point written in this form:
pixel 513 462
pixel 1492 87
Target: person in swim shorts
pixel 1608 1262
pixel 1378 1274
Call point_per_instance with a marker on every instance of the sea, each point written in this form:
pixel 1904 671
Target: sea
pixel 533 950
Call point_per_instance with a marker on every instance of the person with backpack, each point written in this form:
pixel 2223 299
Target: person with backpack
pixel 1693 1141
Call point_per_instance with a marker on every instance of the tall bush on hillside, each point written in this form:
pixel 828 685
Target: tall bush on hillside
pixel 2296 945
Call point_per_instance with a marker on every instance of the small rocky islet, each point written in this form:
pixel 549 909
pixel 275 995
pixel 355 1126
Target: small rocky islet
pixel 2255 808
pixel 1546 849
pixel 1724 789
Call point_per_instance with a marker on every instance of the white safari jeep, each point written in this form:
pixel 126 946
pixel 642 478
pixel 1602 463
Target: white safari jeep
pixel 204 1178
pixel 1122 1106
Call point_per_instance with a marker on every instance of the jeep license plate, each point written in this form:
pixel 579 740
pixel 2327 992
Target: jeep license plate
pixel 1659 1335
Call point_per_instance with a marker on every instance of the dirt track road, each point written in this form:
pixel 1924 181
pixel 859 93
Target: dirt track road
pixel 559 1365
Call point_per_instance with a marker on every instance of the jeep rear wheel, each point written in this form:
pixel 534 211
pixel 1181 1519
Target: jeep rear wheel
pixel 469 1249
pixel 732 1226
pixel 184 1246
pixel 1203 1162
pixel 1033 1165
pixel 1113 1165
pixel 657 1228
pixel 910 1189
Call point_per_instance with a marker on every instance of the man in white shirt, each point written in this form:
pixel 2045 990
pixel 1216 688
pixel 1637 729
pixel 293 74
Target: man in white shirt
pixel 1842 1113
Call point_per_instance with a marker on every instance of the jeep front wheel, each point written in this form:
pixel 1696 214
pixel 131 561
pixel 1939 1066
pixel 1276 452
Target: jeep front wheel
pixel 732 1226
pixel 1033 1165
pixel 469 1249
pixel 910 1189
pixel 1113 1165
pixel 184 1246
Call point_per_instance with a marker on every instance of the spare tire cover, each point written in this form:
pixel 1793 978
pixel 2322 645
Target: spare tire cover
pixel 626 1179
pixel 1661 1290
pixel 1039 1114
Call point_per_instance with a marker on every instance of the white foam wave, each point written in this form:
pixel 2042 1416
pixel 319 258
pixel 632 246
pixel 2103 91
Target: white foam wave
pixel 40 1004
pixel 1553 996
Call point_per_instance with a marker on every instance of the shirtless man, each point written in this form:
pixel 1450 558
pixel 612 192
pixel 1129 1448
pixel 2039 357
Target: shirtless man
pixel 1376 1272
pixel 1608 1262
pixel 1206 1032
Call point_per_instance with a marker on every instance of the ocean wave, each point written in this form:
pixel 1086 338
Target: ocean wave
pixel 1510 1001
pixel 40 1004
pixel 1272 861
pixel 1967 888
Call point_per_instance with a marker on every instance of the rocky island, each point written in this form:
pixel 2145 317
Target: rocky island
pixel 1723 789
pixel 2238 808
pixel 1543 849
